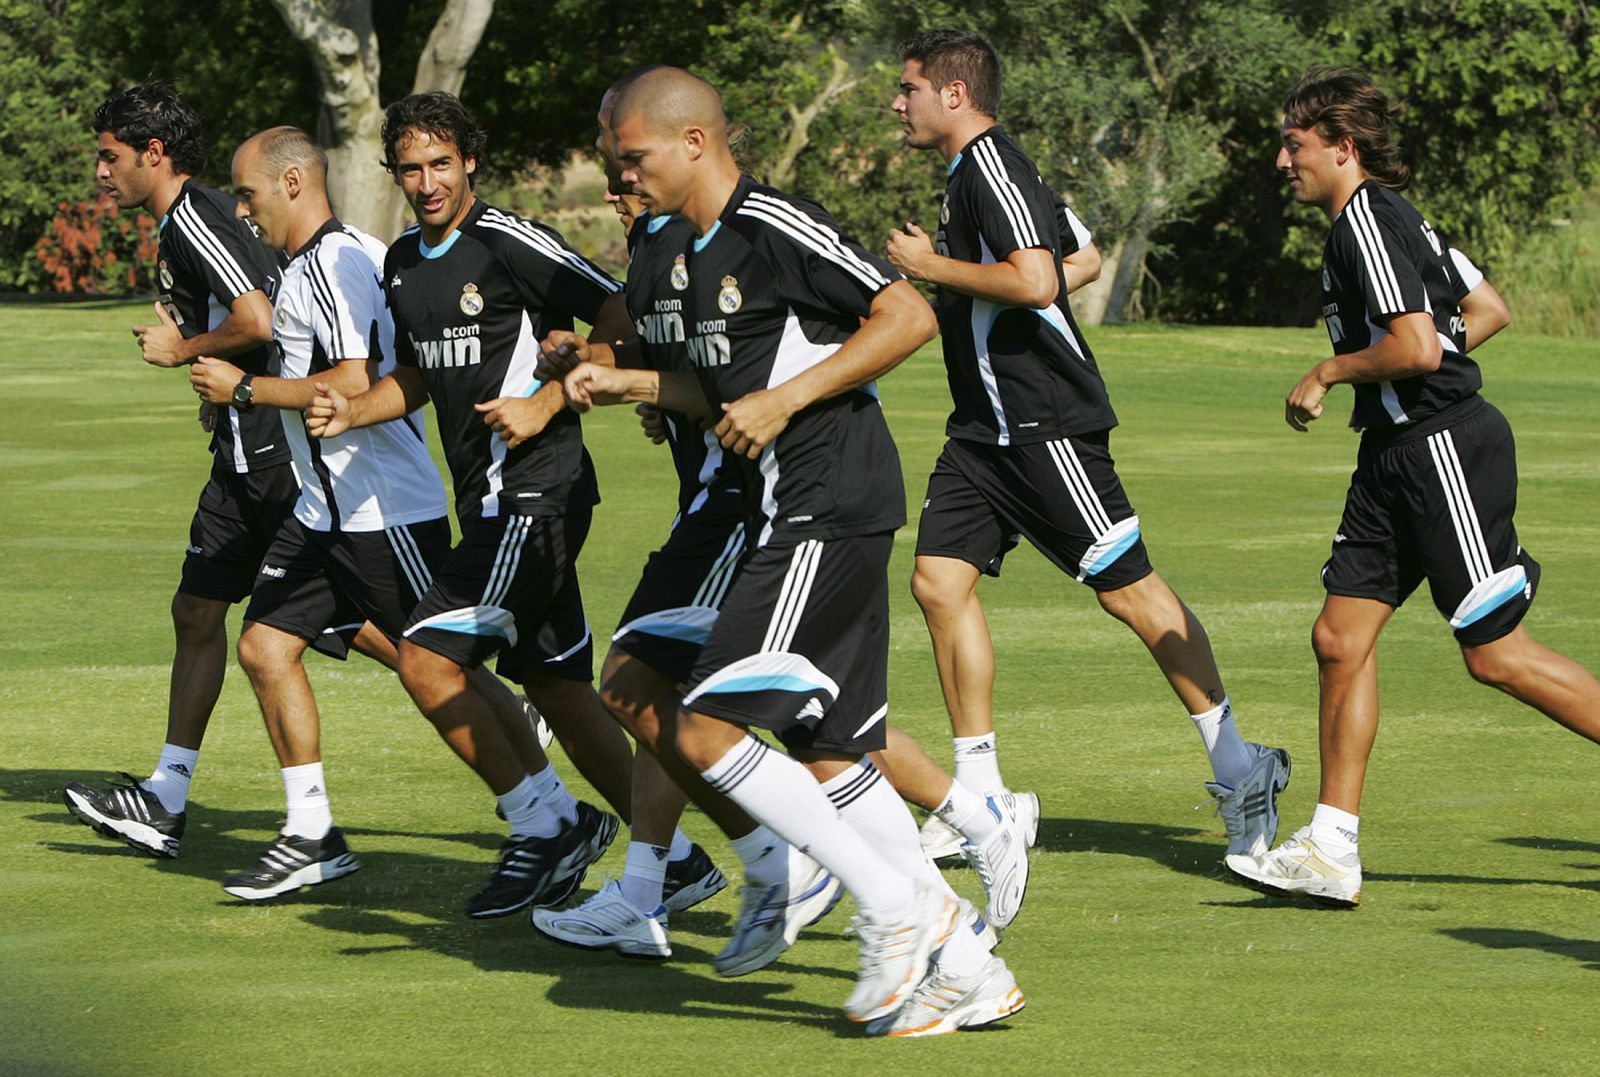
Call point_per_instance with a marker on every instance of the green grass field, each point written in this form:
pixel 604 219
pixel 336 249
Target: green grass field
pixel 1477 948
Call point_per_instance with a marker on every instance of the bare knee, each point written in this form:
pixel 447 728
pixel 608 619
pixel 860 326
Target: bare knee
pixel 1492 666
pixel 428 676
pixel 263 650
pixel 1336 647
pixel 197 619
pixel 942 589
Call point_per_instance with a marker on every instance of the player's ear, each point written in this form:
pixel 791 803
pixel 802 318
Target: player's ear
pixel 694 140
pixel 1347 149
pixel 293 181
pixel 153 152
pixel 955 94
pixel 471 164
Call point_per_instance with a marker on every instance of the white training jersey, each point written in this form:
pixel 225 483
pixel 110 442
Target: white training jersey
pixel 330 308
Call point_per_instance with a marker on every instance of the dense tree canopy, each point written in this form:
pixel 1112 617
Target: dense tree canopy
pixel 1158 118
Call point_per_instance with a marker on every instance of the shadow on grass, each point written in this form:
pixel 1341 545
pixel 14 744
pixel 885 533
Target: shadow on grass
pixel 1586 951
pixel 1189 850
pixel 1560 845
pixel 402 901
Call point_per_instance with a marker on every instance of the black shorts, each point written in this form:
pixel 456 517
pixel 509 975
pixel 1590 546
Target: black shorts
pixel 237 519
pixel 510 587
pixel 802 646
pixel 672 611
pixel 321 585
pixel 1437 502
pixel 1063 495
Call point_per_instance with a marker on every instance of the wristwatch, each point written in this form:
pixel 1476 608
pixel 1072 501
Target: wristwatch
pixel 243 395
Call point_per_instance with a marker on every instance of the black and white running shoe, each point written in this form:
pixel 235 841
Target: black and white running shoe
pixel 691 880
pixel 291 862
pixel 544 871
pixel 130 813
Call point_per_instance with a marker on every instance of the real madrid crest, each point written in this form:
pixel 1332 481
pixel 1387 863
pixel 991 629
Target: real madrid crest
pixel 680 273
pixel 471 301
pixel 166 275
pixel 729 299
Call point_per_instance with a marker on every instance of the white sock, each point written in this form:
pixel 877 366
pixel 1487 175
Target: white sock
pixel 875 811
pixel 781 793
pixel 764 855
pixel 1230 759
pixel 643 873
pixel 306 792
pixel 170 780
pixel 978 765
pixel 548 787
pixel 967 812
pixel 1334 830
pixel 528 814
pixel 681 847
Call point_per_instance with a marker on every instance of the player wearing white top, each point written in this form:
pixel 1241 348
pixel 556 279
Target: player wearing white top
pixel 370 523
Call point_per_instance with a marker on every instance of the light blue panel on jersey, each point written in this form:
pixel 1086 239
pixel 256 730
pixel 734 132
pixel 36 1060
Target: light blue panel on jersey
pixel 1489 595
pixel 691 623
pixel 442 249
pixel 538 383
pixel 472 621
pixel 1110 546
pixel 769 671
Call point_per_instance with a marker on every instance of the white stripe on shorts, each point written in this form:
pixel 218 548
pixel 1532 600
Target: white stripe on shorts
pixel 1463 515
pixel 792 597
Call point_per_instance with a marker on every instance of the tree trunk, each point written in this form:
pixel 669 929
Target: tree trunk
pixel 343 45
pixel 1123 290
pixel 1089 302
pixel 801 119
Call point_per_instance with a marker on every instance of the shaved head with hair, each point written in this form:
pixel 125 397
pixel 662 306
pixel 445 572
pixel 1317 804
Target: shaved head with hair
pixel 671 99
pixel 280 177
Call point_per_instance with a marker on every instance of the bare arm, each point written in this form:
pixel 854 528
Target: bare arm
pixel 1027 278
pixel 898 323
pixel 214 380
pixel 1484 313
pixel 612 324
pixel 592 384
pixel 331 413
pixel 1081 267
pixel 247 326
pixel 1411 346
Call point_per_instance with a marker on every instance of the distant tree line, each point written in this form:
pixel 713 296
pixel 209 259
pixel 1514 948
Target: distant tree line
pixel 1156 118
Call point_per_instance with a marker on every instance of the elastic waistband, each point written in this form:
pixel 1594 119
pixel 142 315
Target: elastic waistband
pixel 1460 411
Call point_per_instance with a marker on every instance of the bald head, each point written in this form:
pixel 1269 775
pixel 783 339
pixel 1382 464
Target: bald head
pixel 670 99
pixel 278 149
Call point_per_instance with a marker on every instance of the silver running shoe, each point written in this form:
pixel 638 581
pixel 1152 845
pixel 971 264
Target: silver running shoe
pixel 1300 866
pixel 1250 812
pixel 608 921
pixel 1001 861
pixel 895 953
pixel 944 1003
pixel 772 917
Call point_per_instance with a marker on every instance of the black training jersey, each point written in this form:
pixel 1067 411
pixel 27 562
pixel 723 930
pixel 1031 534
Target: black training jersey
pixel 1381 260
pixel 657 314
pixel 209 258
pixel 1017 374
pixel 469 315
pixel 770 291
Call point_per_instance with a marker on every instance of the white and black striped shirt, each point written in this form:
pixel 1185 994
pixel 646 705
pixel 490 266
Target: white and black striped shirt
pixel 330 309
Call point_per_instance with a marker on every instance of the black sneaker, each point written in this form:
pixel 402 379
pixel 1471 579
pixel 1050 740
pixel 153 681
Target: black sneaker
pixel 519 875
pixel 291 862
pixel 580 845
pixel 130 813
pixel 691 880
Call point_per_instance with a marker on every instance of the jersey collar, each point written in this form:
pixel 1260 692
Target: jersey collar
pixel 962 155
pixel 442 249
pixel 329 226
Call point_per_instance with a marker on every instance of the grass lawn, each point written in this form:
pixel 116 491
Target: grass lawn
pixel 1475 948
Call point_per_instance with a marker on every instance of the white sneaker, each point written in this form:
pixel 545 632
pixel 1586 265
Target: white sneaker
pixel 943 1003
pixel 1250 812
pixel 608 921
pixel 772 917
pixel 1001 861
pixel 1028 815
pixel 1299 866
pixel 940 840
pixel 895 953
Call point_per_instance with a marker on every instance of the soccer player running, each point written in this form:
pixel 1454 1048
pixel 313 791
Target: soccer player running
pixel 655 648
pixel 471 289
pixel 370 525
pixel 1028 449
pixel 216 282
pixel 1435 484
pixel 787 325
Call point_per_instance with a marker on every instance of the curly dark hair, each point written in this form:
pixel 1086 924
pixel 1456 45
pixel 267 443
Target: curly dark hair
pixel 1336 102
pixel 153 112
pixel 950 56
pixel 437 113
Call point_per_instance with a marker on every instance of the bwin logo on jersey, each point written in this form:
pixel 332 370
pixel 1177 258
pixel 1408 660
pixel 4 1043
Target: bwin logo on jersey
pixel 709 349
pixel 461 347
